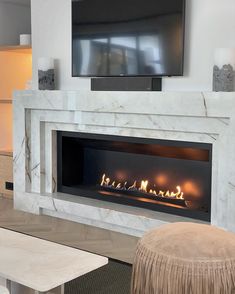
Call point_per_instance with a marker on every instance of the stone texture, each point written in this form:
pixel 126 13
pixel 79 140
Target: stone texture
pixel 43 265
pixel 185 116
pixel 223 78
pixel 46 79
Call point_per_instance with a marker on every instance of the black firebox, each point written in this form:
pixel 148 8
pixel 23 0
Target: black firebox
pixel 168 176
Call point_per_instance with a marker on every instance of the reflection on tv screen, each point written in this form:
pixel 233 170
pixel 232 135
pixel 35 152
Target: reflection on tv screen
pixel 128 38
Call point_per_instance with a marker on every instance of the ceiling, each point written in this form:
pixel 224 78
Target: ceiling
pixel 20 2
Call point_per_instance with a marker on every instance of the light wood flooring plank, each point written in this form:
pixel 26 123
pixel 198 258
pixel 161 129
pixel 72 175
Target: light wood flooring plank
pixel 104 242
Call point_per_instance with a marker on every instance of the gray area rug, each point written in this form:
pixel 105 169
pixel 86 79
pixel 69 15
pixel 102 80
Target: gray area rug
pixel 113 278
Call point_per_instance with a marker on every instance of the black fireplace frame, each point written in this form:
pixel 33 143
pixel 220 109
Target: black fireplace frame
pixel 196 214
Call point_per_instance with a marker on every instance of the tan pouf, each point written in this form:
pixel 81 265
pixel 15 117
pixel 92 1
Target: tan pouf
pixel 185 258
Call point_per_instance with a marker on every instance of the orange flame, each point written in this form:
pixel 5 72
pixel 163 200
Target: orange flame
pixel 143 187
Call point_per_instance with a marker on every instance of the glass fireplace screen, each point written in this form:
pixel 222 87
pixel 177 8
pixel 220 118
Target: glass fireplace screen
pixel 167 176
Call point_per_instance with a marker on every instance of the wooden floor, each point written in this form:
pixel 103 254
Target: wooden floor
pixel 111 244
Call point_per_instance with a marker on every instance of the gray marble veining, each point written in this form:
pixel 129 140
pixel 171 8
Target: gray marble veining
pixel 207 117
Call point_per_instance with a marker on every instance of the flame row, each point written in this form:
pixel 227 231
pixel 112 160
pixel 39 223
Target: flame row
pixel 142 187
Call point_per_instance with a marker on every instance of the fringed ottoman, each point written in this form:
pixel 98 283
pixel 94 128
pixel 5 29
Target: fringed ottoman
pixel 185 258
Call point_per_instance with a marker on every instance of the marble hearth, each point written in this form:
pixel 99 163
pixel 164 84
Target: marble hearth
pixel 187 116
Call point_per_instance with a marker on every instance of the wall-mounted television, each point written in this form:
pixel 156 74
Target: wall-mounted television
pixel 127 38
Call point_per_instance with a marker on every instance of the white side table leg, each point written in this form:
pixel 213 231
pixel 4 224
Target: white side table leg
pixel 15 288
pixel 5 283
pixel 58 290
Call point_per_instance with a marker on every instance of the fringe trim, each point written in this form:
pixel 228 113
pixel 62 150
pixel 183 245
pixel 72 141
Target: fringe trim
pixel 155 273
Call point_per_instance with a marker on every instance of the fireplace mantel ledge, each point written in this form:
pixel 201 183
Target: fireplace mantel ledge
pixel 202 104
pixel 206 117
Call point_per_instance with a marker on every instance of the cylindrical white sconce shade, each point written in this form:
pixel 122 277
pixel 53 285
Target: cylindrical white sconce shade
pixel 46 73
pixel 224 70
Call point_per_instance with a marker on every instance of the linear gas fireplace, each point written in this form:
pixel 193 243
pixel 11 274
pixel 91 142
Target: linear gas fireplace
pixel 167 176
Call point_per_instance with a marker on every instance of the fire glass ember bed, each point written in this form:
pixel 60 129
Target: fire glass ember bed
pixel 167 176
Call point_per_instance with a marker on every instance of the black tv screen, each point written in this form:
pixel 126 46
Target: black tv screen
pixel 127 37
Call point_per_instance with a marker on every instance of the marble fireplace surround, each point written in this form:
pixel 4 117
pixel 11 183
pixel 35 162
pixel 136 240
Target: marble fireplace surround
pixel 188 116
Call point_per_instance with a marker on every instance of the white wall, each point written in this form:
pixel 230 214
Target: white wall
pixel 209 24
pixel 15 19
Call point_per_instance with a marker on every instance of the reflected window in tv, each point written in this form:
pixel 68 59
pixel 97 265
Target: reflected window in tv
pixel 127 37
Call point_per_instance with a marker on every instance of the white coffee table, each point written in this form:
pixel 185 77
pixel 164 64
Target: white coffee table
pixel 31 265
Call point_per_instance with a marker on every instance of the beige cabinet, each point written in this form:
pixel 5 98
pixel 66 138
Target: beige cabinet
pixel 6 173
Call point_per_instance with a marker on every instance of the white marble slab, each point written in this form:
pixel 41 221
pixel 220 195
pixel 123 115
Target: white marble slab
pixel 189 116
pixel 42 265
